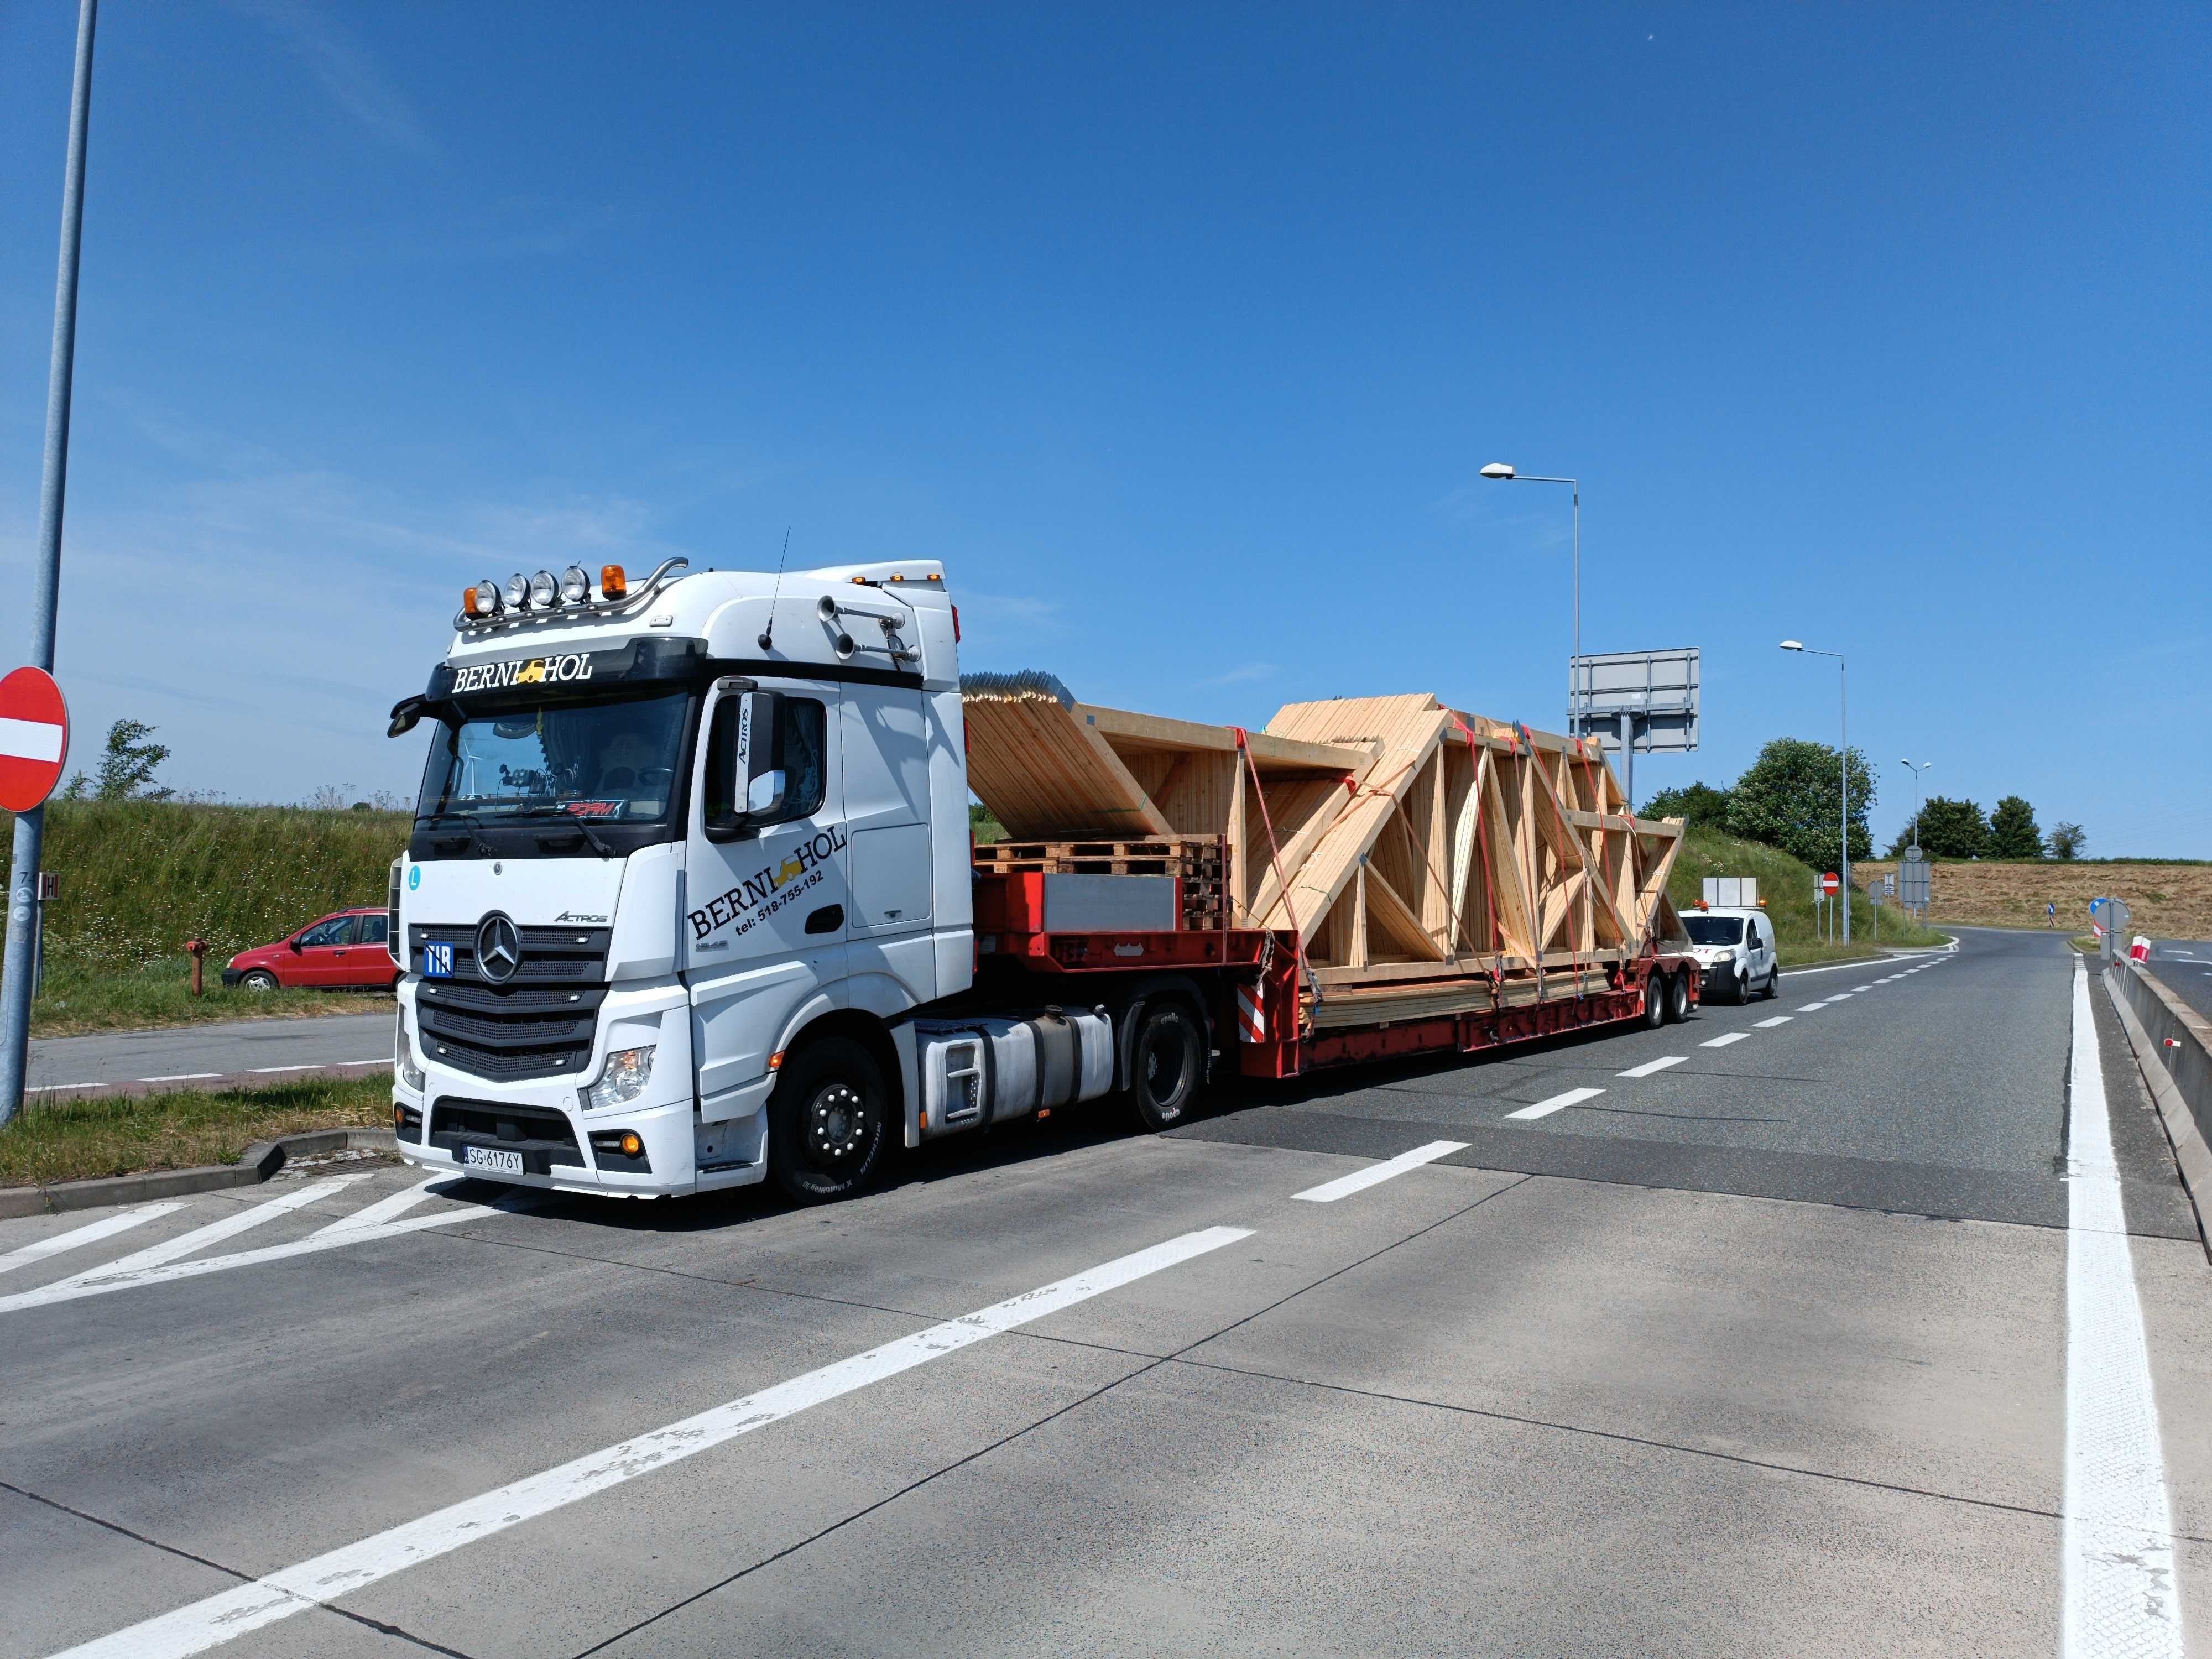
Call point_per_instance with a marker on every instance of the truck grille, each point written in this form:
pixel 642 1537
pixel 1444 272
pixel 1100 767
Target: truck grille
pixel 540 1024
pixel 543 1135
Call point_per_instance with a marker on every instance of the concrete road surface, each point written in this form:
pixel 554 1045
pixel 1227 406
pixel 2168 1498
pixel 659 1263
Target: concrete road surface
pixel 189 1053
pixel 1763 1333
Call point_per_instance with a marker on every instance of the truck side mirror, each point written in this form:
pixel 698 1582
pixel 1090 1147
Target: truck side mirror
pixel 748 773
pixel 764 794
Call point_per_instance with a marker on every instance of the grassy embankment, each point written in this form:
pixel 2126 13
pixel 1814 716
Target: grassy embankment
pixel 80 1139
pixel 2165 901
pixel 1786 885
pixel 140 878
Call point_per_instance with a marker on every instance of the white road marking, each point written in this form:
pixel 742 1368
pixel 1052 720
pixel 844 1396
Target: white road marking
pixel 1723 1042
pixel 107 1279
pixel 106 1227
pixel 1812 1007
pixel 1769 1025
pixel 264 1071
pixel 1859 988
pixel 221 1618
pixel 389 1209
pixel 251 1215
pixel 1343 1186
pixel 1841 996
pixel 1557 1103
pixel 179 1076
pixel 1651 1066
pixel 2117 1548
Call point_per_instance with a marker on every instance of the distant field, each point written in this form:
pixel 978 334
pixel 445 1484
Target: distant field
pixel 2167 901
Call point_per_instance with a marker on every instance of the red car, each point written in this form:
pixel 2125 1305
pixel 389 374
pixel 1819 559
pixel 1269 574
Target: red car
pixel 346 949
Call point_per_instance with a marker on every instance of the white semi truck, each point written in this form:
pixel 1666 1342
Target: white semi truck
pixel 690 900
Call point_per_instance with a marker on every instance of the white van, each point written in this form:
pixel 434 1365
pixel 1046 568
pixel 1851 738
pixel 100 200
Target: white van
pixel 1734 950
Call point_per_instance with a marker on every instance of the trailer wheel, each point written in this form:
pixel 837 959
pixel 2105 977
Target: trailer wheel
pixel 828 1121
pixel 1655 994
pixel 1678 997
pixel 1166 1065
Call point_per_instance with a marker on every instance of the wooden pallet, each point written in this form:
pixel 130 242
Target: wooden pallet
pixel 1199 862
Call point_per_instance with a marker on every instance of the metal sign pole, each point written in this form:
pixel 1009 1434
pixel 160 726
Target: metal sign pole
pixel 15 979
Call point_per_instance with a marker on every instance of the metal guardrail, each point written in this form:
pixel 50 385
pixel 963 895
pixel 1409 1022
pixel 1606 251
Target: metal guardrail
pixel 2173 1047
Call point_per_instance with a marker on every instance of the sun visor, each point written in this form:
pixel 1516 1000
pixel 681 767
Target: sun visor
pixel 530 677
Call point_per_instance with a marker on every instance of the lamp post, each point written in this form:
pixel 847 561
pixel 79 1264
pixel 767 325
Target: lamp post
pixel 1918 805
pixel 1504 474
pixel 1843 706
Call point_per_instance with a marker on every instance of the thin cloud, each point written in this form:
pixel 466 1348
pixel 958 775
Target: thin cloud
pixel 346 70
pixel 1238 676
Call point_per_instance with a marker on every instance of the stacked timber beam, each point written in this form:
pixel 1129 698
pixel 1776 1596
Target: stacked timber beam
pixel 1423 860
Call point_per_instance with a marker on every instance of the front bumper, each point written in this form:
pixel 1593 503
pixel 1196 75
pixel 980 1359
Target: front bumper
pixel 232 975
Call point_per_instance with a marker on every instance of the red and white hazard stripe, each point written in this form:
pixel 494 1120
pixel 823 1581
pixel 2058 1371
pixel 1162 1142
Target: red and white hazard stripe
pixel 1251 1014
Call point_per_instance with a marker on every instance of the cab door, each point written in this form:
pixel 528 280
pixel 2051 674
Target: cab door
pixel 765 906
pixel 886 754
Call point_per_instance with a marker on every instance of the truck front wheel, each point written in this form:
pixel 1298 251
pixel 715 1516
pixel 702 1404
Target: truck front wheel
pixel 1167 1063
pixel 828 1121
pixel 1678 997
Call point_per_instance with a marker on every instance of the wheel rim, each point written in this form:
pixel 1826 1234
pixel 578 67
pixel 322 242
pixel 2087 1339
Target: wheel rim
pixel 1166 1061
pixel 837 1127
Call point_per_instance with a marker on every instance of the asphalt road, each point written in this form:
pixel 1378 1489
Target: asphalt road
pixel 2185 967
pixel 193 1053
pixel 1765 1350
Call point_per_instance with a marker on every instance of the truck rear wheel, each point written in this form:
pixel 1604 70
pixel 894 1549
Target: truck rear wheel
pixel 828 1121
pixel 1678 997
pixel 1655 1001
pixel 1166 1064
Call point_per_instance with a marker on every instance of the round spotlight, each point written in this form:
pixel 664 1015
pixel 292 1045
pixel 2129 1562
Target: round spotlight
pixel 575 586
pixel 545 592
pixel 517 590
pixel 486 596
pixel 632 1146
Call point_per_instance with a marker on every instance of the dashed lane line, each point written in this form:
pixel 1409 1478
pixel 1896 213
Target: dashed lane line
pixel 1343 1186
pixel 1556 1104
pixel 1812 1007
pixel 328 1578
pixel 1723 1042
pixel 77 1238
pixel 1769 1025
pixel 181 1076
pixel 1651 1066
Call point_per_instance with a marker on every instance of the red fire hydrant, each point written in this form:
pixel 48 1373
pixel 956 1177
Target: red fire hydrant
pixel 197 950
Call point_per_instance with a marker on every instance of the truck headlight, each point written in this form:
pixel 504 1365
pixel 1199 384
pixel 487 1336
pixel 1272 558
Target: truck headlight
pixel 403 1059
pixel 620 1081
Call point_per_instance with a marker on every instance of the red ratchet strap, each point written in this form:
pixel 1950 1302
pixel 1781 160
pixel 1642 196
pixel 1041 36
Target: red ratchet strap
pixel 1275 857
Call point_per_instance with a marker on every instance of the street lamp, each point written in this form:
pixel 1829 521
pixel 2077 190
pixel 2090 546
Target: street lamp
pixel 1917 806
pixel 1504 474
pixel 1843 706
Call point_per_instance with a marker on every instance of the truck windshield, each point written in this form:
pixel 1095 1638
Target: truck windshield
pixel 1715 930
pixel 605 760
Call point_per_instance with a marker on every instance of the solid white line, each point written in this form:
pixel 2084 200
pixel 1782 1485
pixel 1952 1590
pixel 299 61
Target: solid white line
pixel 1557 1103
pixel 70 1289
pixel 178 1077
pixel 1838 967
pixel 221 1618
pixel 1779 1019
pixel 1651 1066
pixel 1359 1180
pixel 387 1210
pixel 2117 1549
pixel 1723 1042
pixel 106 1227
pixel 251 1215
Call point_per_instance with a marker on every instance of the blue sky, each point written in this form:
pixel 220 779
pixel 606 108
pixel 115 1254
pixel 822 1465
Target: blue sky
pixel 1179 334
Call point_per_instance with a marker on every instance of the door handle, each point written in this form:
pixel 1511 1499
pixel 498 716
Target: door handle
pixel 828 920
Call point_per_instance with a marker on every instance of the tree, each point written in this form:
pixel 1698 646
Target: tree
pixel 2066 840
pixel 126 770
pixel 1791 797
pixel 1699 804
pixel 2012 831
pixel 1948 830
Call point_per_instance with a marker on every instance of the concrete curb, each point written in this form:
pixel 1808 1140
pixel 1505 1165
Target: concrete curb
pixel 260 1161
pixel 2191 1152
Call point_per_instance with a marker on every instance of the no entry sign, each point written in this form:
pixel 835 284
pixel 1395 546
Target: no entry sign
pixel 1831 883
pixel 34 738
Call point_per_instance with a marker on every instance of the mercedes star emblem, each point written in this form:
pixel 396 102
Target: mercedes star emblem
pixel 498 949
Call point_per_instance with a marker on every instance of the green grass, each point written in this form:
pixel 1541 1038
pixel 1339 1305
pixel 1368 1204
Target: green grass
pixel 140 878
pixel 76 1001
pixel 83 1139
pixel 1786 885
